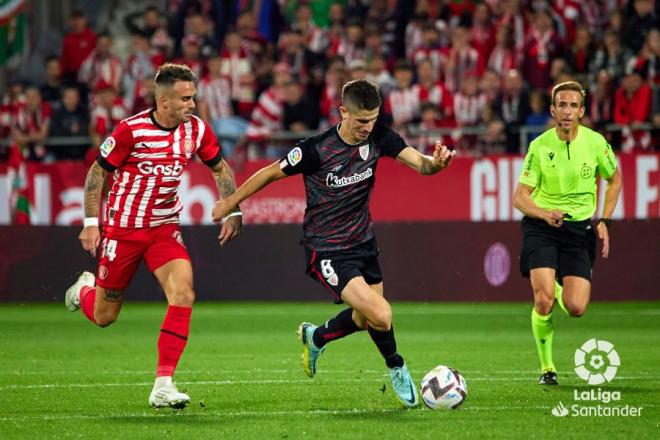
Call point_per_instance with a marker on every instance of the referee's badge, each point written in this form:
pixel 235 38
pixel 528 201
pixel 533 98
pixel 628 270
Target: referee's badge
pixel 364 151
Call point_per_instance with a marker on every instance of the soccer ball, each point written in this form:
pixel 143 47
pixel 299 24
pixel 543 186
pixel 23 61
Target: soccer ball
pixel 444 388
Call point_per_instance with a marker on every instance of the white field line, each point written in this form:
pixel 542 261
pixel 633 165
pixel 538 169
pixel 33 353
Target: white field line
pixel 276 413
pixel 267 381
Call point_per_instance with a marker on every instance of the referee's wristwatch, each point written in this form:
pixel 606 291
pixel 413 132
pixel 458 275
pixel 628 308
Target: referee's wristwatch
pixel 606 221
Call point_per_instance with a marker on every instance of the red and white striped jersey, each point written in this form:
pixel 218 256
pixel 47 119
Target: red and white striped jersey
pixel 403 105
pixel 216 93
pixel 148 161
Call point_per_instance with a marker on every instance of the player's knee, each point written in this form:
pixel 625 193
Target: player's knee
pixel 382 318
pixel 543 305
pixel 576 311
pixel 104 319
pixel 183 296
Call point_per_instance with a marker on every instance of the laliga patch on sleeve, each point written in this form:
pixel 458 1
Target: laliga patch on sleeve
pixel 294 156
pixel 107 146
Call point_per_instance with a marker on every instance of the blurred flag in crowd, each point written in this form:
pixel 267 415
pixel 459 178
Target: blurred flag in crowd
pixel 18 201
pixel 12 30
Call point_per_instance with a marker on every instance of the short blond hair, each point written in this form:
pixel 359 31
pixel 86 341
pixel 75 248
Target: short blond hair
pixel 569 85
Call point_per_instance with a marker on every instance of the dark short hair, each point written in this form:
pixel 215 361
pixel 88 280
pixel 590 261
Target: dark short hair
pixel 569 85
pixel 360 94
pixel 170 73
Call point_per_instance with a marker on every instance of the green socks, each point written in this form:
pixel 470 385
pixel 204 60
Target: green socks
pixel 558 297
pixel 543 331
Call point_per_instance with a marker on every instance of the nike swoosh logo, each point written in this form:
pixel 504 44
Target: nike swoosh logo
pixel 412 400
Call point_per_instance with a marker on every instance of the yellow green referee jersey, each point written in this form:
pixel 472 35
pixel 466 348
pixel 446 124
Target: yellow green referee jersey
pixel 564 173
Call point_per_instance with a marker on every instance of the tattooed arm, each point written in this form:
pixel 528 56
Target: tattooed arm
pixel 224 180
pixel 90 236
pixel 424 164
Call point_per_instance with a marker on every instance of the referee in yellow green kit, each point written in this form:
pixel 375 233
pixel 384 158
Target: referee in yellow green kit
pixel 557 193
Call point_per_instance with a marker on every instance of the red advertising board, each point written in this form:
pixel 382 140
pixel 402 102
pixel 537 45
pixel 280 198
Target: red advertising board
pixel 471 189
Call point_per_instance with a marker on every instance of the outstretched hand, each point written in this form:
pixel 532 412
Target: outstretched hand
pixel 442 155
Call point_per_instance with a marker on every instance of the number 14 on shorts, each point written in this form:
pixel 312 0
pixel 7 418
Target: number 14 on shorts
pixel 109 249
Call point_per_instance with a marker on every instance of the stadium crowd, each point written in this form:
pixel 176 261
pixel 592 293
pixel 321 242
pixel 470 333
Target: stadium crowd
pixel 475 70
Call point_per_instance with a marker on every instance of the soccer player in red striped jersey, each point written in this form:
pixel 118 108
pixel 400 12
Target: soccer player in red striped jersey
pixel 147 153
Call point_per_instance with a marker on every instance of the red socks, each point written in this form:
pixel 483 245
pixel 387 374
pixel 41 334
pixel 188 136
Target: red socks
pixel 87 299
pixel 173 338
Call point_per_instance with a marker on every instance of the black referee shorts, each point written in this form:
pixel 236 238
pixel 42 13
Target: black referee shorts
pixel 334 269
pixel 570 249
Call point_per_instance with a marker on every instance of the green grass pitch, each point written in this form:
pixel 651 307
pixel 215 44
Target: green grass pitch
pixel 61 377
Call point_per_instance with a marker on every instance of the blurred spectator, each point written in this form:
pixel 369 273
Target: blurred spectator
pixel 468 108
pixel 101 65
pixel 504 56
pixel 190 55
pixel 151 24
pixel 70 119
pixel 292 51
pixel 490 85
pixel 429 89
pixel 107 110
pixel 215 106
pixel 512 16
pixel 350 45
pixel 402 104
pixel 300 113
pixel 374 47
pixel 596 14
pixel 11 101
pixel 580 54
pixel 145 98
pixel 512 107
pixel 538 115
pixel 648 60
pixel 78 44
pixel 640 19
pixel 314 37
pixel 482 32
pixel 51 89
pixel 267 117
pixel 29 129
pixel 414 29
pixel 432 119
pixel 202 28
pixel 377 73
pixel 600 102
pixel 542 45
pixel 143 61
pixel 235 65
pixel 461 59
pixel 335 78
pixel 613 57
pixel 567 13
pixel 430 49
pixel 632 106
pixel 357 69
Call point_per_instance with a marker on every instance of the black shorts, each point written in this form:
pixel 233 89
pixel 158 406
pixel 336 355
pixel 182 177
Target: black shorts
pixel 570 249
pixel 334 269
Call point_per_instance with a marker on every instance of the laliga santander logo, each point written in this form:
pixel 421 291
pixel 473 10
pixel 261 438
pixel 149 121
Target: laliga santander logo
pixel 596 361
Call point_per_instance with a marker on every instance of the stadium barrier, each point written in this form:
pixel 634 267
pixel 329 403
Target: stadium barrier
pixel 421 261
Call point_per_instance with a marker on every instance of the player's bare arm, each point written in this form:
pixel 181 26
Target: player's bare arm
pixel 522 200
pixel 614 185
pixel 424 164
pixel 90 236
pixel 224 180
pixel 254 184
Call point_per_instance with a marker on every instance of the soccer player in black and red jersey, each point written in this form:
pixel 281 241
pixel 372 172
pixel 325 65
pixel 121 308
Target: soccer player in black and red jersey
pixel 339 168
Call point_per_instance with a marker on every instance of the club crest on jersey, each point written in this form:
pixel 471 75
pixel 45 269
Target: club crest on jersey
pixel 364 151
pixel 188 147
pixel 294 156
pixel 107 146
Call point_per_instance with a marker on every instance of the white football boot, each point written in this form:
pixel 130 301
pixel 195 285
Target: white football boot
pixel 72 296
pixel 165 395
